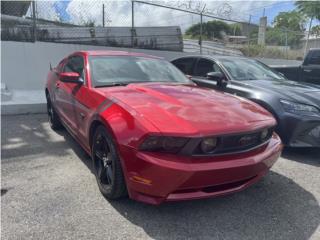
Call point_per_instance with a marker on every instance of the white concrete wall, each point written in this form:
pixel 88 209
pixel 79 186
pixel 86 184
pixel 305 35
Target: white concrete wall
pixel 24 66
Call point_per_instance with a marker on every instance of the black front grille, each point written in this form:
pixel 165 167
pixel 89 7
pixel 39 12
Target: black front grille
pixel 237 142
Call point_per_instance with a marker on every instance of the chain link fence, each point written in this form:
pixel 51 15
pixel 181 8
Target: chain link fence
pixel 202 27
pixel 219 28
pixel 103 23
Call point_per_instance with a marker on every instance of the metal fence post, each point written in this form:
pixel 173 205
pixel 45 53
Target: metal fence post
pixel 249 34
pixel 34 18
pixel 103 18
pixel 132 23
pixel 201 30
pixel 200 38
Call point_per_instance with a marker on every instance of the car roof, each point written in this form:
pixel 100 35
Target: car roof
pixel 214 57
pixel 314 49
pixel 115 53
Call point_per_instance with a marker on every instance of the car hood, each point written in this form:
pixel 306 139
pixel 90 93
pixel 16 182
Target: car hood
pixel 188 109
pixel 289 90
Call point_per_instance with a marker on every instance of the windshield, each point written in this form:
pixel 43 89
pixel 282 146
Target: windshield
pixel 249 69
pixel 108 71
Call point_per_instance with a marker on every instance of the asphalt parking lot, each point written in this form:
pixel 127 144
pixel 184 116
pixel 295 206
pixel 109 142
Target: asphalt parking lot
pixel 48 191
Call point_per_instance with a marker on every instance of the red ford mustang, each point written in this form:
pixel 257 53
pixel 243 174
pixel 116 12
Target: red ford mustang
pixel 154 134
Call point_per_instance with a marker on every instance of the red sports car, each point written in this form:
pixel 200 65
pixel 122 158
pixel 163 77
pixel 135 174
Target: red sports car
pixel 155 135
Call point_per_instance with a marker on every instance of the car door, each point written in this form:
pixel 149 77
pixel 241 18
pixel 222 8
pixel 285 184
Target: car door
pixel 83 101
pixel 60 95
pixel 204 66
pixel 311 68
pixel 65 92
pixel 54 85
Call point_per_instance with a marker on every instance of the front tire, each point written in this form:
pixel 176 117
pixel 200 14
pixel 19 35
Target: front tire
pixel 53 117
pixel 107 165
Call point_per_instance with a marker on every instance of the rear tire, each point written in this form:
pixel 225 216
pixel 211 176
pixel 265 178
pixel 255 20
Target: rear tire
pixel 107 165
pixel 53 117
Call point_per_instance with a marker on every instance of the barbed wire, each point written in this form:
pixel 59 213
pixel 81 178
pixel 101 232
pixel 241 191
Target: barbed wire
pixel 83 20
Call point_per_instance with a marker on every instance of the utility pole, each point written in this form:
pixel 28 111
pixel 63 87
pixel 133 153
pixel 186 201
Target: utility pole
pixel 307 40
pixel 103 18
pixel 34 18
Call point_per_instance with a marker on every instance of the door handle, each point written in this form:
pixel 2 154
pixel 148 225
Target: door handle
pixel 307 70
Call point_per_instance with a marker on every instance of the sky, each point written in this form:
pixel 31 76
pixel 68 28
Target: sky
pixel 118 13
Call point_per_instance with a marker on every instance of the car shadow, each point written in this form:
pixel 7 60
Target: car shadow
pixel 274 208
pixel 303 155
pixel 77 149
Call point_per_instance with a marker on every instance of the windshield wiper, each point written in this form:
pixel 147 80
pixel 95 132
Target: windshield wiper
pixel 113 84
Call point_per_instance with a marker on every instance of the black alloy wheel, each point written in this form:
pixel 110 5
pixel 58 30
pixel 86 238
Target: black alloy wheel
pixel 107 165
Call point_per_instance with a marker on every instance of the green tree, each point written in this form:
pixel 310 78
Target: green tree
pixel 211 29
pixel 283 37
pixel 310 9
pixel 236 29
pixel 89 23
pixel 287 29
pixel 293 20
pixel 316 30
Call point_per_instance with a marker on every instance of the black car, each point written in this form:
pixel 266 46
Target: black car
pixel 308 72
pixel 296 106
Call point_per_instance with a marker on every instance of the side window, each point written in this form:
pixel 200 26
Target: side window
pixel 75 64
pixel 68 67
pixel 315 58
pixel 205 66
pixel 59 68
pixel 185 65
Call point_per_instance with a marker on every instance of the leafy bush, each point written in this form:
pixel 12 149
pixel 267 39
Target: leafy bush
pixel 269 52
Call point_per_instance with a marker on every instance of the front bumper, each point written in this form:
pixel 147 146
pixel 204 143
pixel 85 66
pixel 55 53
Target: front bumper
pixel 154 178
pixel 299 131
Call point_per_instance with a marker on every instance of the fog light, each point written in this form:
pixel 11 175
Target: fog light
pixel 208 145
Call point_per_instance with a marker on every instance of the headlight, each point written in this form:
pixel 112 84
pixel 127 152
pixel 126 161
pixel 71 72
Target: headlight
pixel 298 108
pixel 208 145
pixel 163 144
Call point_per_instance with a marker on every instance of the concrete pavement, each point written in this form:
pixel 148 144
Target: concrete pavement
pixel 48 191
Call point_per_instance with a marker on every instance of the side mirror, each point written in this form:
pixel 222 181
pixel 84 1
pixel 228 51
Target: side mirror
pixel 218 77
pixel 71 77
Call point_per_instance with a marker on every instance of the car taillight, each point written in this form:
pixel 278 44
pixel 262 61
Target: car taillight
pixel 163 144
